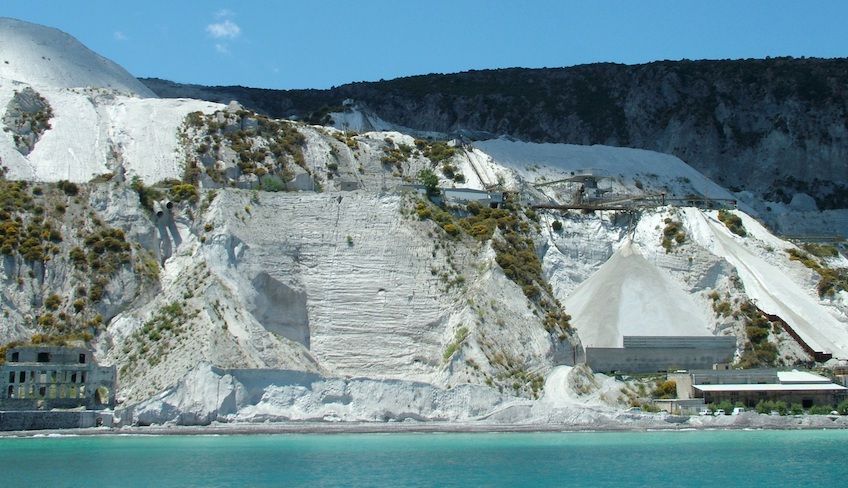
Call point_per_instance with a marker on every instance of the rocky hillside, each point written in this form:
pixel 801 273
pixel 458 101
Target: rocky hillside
pixel 238 267
pixel 775 127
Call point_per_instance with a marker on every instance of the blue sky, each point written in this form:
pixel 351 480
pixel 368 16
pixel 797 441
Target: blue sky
pixel 320 43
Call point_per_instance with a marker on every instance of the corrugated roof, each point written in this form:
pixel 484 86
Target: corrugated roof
pixel 796 376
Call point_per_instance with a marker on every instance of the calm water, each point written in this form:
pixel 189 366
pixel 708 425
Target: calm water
pixel 808 458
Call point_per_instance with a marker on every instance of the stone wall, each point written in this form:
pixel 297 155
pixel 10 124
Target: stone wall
pixel 40 420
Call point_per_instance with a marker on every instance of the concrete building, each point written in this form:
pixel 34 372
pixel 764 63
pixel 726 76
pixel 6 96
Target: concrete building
pixel 750 387
pixel 493 199
pixel 649 354
pixel 47 377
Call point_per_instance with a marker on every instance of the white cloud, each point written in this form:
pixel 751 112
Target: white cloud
pixel 224 12
pixel 222 48
pixel 120 36
pixel 224 30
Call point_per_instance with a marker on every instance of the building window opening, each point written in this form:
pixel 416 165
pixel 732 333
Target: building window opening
pixel 42 391
pixel 43 357
pixel 82 377
pixel 101 395
pixel 73 377
pixel 806 403
pixel 11 377
pixel 22 377
pixel 15 357
pixel 82 358
pixel 11 393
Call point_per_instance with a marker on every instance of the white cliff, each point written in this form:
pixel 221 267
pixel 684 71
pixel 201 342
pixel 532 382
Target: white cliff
pixel 345 298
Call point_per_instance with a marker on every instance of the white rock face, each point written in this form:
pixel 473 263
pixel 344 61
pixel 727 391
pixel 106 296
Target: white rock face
pixel 49 58
pixel 210 394
pixel 344 305
pixel 378 353
pixel 95 132
pixel 104 120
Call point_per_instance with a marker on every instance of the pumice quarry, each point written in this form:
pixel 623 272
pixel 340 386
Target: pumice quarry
pixel 175 257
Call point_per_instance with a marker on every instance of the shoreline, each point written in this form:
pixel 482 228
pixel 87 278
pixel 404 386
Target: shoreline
pixel 329 428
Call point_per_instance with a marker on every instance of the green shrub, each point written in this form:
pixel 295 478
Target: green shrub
pixel 758 351
pixel 195 119
pixel 53 301
pixel 448 170
pixel 272 183
pixel 184 192
pixel 517 257
pixel 459 337
pixel 437 151
pixel 821 250
pixel 733 222
pixel 832 280
pixel 725 405
pixel 396 155
pixel 820 409
pixel 722 308
pixel 557 226
pixel 146 195
pixel 768 406
pixel 673 232
pixel 451 229
pixel 665 389
pixel 429 180
pixel 70 189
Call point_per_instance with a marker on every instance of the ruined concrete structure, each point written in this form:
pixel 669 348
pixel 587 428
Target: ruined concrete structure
pixel 47 377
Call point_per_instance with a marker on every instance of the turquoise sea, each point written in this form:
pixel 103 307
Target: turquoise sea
pixel 715 458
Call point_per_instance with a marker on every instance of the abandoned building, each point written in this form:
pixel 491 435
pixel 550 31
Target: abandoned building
pixel 650 354
pixel 460 196
pixel 751 386
pixel 493 199
pixel 48 377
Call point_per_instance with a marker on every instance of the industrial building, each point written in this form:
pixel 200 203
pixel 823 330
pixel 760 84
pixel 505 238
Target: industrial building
pixel 649 354
pixel 750 387
pixel 493 199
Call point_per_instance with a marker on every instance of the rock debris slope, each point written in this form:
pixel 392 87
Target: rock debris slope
pixel 639 299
